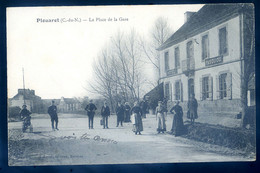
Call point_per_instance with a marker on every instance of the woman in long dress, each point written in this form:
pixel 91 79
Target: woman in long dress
pixel 177 124
pixel 136 113
pixel 127 112
pixel 160 114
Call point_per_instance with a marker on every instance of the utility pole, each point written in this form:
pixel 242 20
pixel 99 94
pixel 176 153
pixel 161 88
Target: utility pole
pixel 23 89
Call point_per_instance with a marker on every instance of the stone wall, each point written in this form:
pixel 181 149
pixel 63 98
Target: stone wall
pixel 215 107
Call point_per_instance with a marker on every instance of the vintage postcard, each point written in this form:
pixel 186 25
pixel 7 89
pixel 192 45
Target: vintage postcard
pixel 131 84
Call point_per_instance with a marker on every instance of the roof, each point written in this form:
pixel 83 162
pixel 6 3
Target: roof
pixel 48 101
pixel 207 17
pixel 27 93
pixel 70 100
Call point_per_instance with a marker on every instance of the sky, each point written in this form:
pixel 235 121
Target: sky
pixel 57 57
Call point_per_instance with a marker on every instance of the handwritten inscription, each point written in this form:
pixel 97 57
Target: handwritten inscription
pixel 79 20
pixel 87 136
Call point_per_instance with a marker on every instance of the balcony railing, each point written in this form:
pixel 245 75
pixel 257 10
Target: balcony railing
pixel 188 65
pixel 171 72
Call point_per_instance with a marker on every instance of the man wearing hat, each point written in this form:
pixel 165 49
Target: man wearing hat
pixel 52 111
pixel 25 116
pixel 91 108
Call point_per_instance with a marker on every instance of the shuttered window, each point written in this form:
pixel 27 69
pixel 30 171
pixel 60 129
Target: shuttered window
pixel 206 85
pixel 177 90
pixel 205 88
pixel 223 47
pixel 177 57
pixel 224 86
pixel 166 61
pixel 190 50
pixel 168 93
pixel 205 47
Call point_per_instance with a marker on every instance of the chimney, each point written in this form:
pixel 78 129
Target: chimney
pixel 187 15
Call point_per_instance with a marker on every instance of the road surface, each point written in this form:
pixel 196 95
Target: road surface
pixel 75 144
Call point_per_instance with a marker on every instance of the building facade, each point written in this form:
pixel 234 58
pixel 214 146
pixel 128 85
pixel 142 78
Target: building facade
pixel 69 105
pixel 205 57
pixel 27 97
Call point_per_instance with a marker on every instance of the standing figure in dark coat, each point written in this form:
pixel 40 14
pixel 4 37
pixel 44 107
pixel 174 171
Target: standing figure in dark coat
pixel 120 112
pixel 177 124
pixel 192 109
pixel 91 108
pixel 137 119
pixel 144 107
pixel 52 111
pixel 105 112
pixel 25 116
pixel 160 113
pixel 127 112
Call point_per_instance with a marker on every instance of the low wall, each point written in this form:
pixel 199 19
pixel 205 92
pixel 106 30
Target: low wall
pixel 215 107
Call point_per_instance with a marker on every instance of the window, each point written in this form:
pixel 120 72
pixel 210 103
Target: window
pixel 223 49
pixel 205 88
pixel 177 57
pixel 205 47
pixel 189 50
pixel 166 61
pixel 177 91
pixel 167 91
pixel 223 86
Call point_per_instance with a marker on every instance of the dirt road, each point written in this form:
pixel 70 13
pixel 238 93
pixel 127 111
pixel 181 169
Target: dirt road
pixel 75 144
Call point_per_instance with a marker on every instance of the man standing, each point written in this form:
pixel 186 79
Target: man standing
pixel 192 108
pixel 105 112
pixel 52 111
pixel 91 108
pixel 120 111
pixel 144 106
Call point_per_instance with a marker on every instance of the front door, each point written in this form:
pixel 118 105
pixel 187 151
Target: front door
pixel 190 86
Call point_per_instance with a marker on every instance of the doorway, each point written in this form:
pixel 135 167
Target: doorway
pixel 190 87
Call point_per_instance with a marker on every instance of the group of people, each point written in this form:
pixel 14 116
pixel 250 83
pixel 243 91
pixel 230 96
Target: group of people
pixel 25 115
pixel 125 113
pixel 176 110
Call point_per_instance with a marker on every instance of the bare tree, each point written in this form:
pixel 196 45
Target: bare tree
pixel 160 32
pixel 103 84
pixel 117 70
pixel 249 57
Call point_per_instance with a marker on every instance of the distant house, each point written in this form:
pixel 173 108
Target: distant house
pixel 69 105
pixel 205 57
pixel 27 97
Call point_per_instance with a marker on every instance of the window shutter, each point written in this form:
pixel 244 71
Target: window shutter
pixel 174 92
pixel 181 94
pixel 229 86
pixel 201 95
pixel 210 88
pixel 170 91
pixel 217 87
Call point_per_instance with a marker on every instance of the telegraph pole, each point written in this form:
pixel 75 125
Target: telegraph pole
pixel 23 89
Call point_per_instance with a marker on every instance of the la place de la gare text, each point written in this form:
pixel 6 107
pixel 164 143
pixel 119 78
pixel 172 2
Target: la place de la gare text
pixel 76 19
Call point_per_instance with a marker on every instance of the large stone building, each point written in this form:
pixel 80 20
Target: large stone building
pixel 205 57
pixel 27 97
